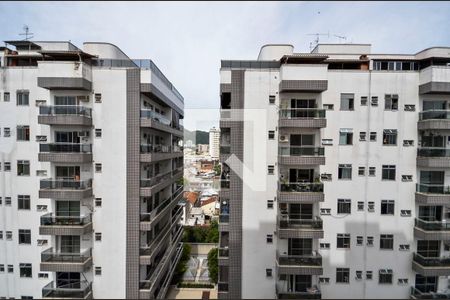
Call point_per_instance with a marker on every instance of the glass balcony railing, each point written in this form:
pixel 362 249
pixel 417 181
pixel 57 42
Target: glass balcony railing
pixel 149 148
pixel 301 151
pixel 433 189
pixel 299 260
pixel 50 255
pixel 309 293
pixel 434 115
pixel 302 187
pixel 145 183
pixel 65 148
pixel 51 220
pixel 302 113
pixel 150 114
pixel 69 290
pixel 431 261
pixel 65 183
pixel 433 152
pixel 294 221
pixel 418 294
pixel 58 110
pixel 224 218
pixel 432 225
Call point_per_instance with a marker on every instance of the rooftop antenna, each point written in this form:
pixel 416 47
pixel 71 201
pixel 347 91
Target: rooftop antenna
pixel 28 35
pixel 313 44
pixel 340 37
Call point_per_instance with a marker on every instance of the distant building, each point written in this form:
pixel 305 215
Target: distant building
pixel 202 148
pixel 189 144
pixel 214 139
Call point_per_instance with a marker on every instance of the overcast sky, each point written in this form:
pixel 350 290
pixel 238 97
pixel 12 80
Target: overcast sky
pixel 188 40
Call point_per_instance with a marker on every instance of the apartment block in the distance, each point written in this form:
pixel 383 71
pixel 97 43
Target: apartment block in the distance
pixel 90 173
pixel 354 151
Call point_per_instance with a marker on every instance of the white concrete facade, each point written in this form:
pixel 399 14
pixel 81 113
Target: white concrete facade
pixel 214 142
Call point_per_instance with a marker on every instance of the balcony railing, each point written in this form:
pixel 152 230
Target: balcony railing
pixel 65 148
pixel 50 220
pixel 417 294
pixel 145 183
pixel 432 225
pixel 50 256
pixel 431 261
pixel 302 113
pixel 433 152
pixel 302 187
pixel 224 218
pixel 58 110
pixel 65 183
pixel 434 115
pixel 225 149
pixel 310 293
pixel 70 290
pixel 150 114
pixel 225 183
pixel 432 189
pixel 299 260
pixel 149 148
pixel 223 252
pixel 295 221
pixel 301 151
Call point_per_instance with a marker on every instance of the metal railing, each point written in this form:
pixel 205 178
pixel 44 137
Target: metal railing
pixel 156 179
pixel 433 152
pixel 223 252
pixel 49 220
pixel 302 187
pixel 434 115
pixel 149 148
pixel 294 221
pixel 224 218
pixel 299 260
pixel 284 293
pixel 302 113
pixel 432 225
pixel 65 183
pixel 50 256
pixel 72 110
pixel 150 114
pixel 65 148
pixel 301 151
pixel 417 294
pixel 431 261
pixel 70 290
pixel 432 188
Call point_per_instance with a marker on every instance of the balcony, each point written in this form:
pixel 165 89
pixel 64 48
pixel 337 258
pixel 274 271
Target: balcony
pixel 65 225
pixel 223 256
pixel 148 219
pixel 304 86
pixel 310 293
pixel 65 115
pixel 417 294
pixel 433 157
pixel 65 189
pixel 79 290
pixel 153 153
pixel 155 184
pixel 432 230
pixel 64 75
pixel 435 194
pixel 65 262
pixel 301 155
pixel 301 192
pixel 302 118
pixel 291 226
pixel 65 152
pixel 435 80
pixel 431 266
pixel 299 264
pixel 434 119
pixel 152 119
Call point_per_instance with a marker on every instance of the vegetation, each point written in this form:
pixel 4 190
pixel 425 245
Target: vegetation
pixel 203 234
pixel 197 136
pixel 195 285
pixel 182 264
pixel 218 169
pixel 213 265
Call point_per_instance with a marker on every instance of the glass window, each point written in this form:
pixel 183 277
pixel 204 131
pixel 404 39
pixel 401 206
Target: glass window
pixel 387 207
pixel 24 236
pixel 347 101
pixel 362 135
pixel 344 206
pixel 6 97
pixel 345 136
pixel 23 167
pixel 387 241
pixel 388 172
pixel 23 133
pixel 23 98
pixel 361 171
pixel 342 275
pixel 390 137
pixel 385 276
pixel 343 240
pixel 23 201
pixel 373 136
pixel 25 270
pixel 391 102
pixel 345 171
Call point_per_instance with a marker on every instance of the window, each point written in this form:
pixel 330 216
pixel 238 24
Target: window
pixel 360 205
pixel 374 101
pixel 98 236
pixel 345 171
pixel 98 98
pixel 387 207
pixel 268 272
pixel 42 275
pixel 369 275
pixel 406 177
pixel 343 240
pixel 10 269
pixel 6 97
pixel 326 177
pixel 269 204
pixel 410 107
pixel 358 275
pixel 23 133
pixel 371 206
pixel 41 173
pixel 23 168
pixel 2 268
pixel 98 133
pixel 325 211
pixel 269 239
pixel 363 100
pixel 324 279
pixel 8 201
pixel 98 271
pixel 388 172
pixel 370 241
pixel 327 142
pixel 271 99
pixel 42 242
pixel 390 137
pixel 6 132
pixel 359 240
pixel 98 168
pixel 25 236
pixel 372 171
pixel 23 202
pixel 98 202
pixel 405 213
pixel 347 101
pixel 41 138
pixel 342 275
pixel 1 201
pixel 361 171
pixel 25 270
pixel 344 206
pixel 271 134
pixel 391 102
pixel 387 241
pixel 23 98
pixel 346 136
pixel 1 235
pixel 328 106
pixel 385 276
pixel 324 246
pixel 403 281
pixel 40 102
pixel 403 247
pixel 41 207
pixel 362 136
pixel 270 170
pixel 373 136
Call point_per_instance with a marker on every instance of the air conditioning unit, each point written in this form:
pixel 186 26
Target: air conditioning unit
pixel 284 138
pixel 83 98
pixel 83 133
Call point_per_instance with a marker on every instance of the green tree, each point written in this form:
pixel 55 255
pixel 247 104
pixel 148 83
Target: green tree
pixel 213 232
pixel 217 169
pixel 213 265
pixel 182 264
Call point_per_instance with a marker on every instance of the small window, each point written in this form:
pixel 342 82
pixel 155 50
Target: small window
pixel 1 235
pixel 271 134
pixel 345 136
pixel 374 101
pixel 328 106
pixel 41 173
pixel 8 201
pixel 23 98
pixel 98 271
pixel 342 275
pixel 10 269
pixel 23 133
pixel 344 206
pixel 270 170
pixel 6 97
pixel 359 240
pixel 360 205
pixel 403 247
pixel 2 268
pixel 41 138
pixel 271 99
pixel 98 98
pixel 41 207
pixel 25 270
pixel 343 240
pixel 363 100
pixel 324 246
pixel 369 275
pixel 327 142
pixel 98 236
pixel 42 242
pixel 325 176
pixel 408 143
pixel 347 101
pixel 98 133
pixel 386 241
pixel 403 281
pixel 268 272
pixel 325 211
pixel 407 178
pixel 98 202
pixel 387 207
pixel 358 275
pixel 23 168
pixel 373 136
pixel 371 206
pixel 390 137
pixel 324 279
pixel 405 213
pixel 362 136
pixel 23 202
pixel 361 171
pixel 43 275
pixel 370 241
pixel 385 276
pixel 372 171
pixel 40 103
pixel 410 107
pixel 25 236
pixel 388 172
pixel 269 204
pixel 7 132
pixel 269 238
pixel 391 102
pixel 98 168
pixel 345 171
pixel 7 166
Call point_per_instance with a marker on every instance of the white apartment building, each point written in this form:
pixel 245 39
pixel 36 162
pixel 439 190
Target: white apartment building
pixel 214 140
pixel 90 173
pixel 343 190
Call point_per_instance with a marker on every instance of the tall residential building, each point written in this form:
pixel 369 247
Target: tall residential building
pixel 336 178
pixel 214 139
pixel 90 173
